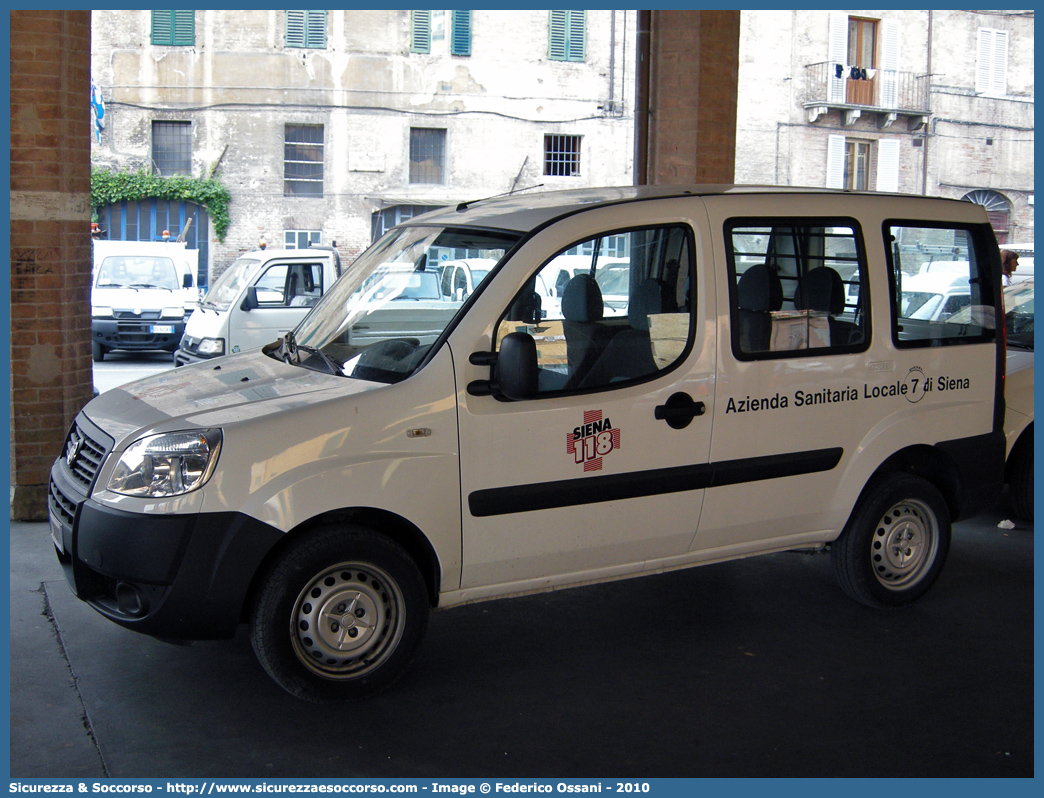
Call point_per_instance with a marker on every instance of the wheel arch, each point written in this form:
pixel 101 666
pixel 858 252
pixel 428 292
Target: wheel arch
pixel 1025 439
pixel 927 462
pixel 383 522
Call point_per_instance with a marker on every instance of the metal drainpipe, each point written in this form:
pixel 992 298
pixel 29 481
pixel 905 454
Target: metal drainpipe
pixel 927 127
pixel 612 61
pixel 641 99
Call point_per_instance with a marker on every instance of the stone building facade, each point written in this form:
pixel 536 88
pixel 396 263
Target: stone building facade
pixel 331 126
pixel 920 102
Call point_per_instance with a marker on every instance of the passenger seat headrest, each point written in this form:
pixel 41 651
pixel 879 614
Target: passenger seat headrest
pixel 582 299
pixel 649 299
pixel 759 288
pixel 822 290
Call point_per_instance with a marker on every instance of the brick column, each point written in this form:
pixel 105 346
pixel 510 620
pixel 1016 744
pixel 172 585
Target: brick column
pixel 694 76
pixel 51 374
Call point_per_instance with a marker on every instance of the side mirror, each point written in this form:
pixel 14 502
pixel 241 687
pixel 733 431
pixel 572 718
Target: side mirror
pixel 186 281
pixel 515 373
pixel 250 299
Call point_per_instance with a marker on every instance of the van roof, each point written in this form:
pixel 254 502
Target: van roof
pixel 524 210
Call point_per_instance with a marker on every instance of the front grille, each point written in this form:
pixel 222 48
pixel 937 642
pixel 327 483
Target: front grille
pixel 131 315
pixel 62 507
pixel 83 456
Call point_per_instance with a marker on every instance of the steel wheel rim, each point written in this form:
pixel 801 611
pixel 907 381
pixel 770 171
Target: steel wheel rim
pixel 904 544
pixel 347 620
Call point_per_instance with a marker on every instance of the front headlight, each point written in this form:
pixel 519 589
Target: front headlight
pixel 211 347
pixel 167 465
pixel 101 312
pixel 172 313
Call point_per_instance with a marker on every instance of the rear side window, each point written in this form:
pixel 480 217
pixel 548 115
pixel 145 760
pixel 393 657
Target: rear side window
pixel 941 290
pixel 797 287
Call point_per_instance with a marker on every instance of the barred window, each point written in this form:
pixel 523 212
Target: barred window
pixel 172 148
pixel 562 155
pixel 303 161
pixel 427 155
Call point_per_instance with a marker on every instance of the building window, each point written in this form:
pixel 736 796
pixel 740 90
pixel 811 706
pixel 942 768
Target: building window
pixel 174 28
pixel 427 155
pixel 562 155
pixel 856 166
pixel 172 148
pixel 991 76
pixel 384 220
pixel 851 164
pixel 303 161
pixel 301 239
pixel 306 29
pixel 567 36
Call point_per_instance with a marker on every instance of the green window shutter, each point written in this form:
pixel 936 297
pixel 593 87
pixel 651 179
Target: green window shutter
pixel 306 29
pixel 567 35
pixel 577 35
pixel 460 43
pixel 174 28
pixel 315 29
pixel 420 32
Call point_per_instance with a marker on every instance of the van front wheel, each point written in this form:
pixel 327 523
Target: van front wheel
pixel 895 543
pixel 339 615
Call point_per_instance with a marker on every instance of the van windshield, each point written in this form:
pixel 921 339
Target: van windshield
pixel 230 284
pixel 379 320
pixel 138 272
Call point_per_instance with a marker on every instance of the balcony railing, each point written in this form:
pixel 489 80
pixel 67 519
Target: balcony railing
pixel 881 91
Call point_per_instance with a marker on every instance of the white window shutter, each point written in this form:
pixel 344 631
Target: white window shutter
pixel 991 74
pixel 888 165
pixel 837 55
pixel 835 177
pixel 889 69
pixel 1000 63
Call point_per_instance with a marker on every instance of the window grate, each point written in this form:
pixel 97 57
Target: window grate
pixel 172 148
pixel 562 155
pixel 303 161
pixel 427 155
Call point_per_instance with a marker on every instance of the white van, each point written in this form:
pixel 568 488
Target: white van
pixel 142 292
pixel 257 300
pixel 330 489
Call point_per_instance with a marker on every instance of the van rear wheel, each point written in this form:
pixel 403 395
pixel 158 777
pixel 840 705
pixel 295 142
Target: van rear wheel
pixel 339 615
pixel 895 543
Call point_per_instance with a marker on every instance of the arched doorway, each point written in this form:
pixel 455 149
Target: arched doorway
pixel 998 209
pixel 146 221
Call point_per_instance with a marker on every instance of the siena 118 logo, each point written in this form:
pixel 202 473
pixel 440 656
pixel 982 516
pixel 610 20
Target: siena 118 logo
pixel 593 440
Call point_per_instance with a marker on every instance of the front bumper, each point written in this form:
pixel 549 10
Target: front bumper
pixel 138 334
pixel 179 577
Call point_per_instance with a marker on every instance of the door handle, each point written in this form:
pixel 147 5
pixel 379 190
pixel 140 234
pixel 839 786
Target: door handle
pixel 679 410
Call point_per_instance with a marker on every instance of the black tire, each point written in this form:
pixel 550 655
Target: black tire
pixel 895 544
pixel 1020 476
pixel 97 352
pixel 339 615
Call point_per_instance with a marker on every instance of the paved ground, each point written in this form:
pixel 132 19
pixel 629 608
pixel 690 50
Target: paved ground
pixel 753 668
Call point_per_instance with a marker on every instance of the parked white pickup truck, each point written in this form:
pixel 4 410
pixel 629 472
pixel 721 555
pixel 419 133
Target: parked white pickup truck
pixel 257 300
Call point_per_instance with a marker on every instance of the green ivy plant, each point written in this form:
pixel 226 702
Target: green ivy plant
pixel 108 187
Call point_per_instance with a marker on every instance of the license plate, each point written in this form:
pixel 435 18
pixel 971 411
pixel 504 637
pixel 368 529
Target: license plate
pixel 56 533
pixel 161 329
